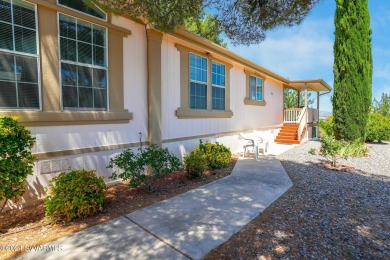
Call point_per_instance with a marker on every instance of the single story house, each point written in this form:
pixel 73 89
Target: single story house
pixel 89 84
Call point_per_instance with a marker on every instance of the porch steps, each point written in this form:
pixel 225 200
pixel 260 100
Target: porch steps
pixel 288 134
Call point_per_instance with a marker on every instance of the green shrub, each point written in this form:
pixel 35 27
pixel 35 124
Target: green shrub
pixel 195 164
pixel 378 128
pixel 217 155
pixel 77 194
pixel 326 127
pixel 358 149
pixel 312 151
pixel 334 149
pixel 145 167
pixel 16 159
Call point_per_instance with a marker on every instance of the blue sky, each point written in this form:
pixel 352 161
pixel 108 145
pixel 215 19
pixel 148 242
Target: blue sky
pixel 306 51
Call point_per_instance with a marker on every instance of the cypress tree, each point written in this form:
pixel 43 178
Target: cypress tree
pixel 352 69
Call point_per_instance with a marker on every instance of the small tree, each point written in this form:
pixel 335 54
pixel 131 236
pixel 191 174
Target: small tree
pixel 16 159
pixel 382 106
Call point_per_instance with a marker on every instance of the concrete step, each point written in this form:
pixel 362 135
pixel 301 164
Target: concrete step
pixel 286 141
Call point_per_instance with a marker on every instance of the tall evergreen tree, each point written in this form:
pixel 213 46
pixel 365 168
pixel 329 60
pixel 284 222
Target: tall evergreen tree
pixel 352 69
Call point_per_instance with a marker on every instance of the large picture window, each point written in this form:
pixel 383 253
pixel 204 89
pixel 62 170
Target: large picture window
pixel 83 52
pixel 218 83
pixel 19 81
pixel 198 82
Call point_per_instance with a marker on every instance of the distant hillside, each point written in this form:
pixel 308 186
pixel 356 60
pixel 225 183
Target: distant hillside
pixel 325 114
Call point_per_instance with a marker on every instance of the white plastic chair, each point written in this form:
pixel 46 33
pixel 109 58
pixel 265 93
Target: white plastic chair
pixel 256 142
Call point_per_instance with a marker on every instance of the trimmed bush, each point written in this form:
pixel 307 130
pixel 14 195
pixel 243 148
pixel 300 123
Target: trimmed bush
pixel 145 167
pixel 217 155
pixel 378 128
pixel 16 159
pixel 77 194
pixel 195 164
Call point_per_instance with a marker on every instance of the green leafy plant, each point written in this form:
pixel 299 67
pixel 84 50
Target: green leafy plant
pixel 334 149
pixel 378 127
pixel 357 148
pixel 195 164
pixel 217 155
pixel 16 159
pixel 77 194
pixel 312 151
pixel 145 167
pixel 326 126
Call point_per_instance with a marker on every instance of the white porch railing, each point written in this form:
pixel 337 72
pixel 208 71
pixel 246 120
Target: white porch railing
pixel 291 115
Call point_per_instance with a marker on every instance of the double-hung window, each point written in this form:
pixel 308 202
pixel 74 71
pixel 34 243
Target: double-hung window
pixel 83 59
pixel 256 88
pixel 198 82
pixel 218 84
pixel 19 80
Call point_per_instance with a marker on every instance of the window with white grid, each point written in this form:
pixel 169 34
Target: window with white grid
pixel 83 54
pixel 198 82
pixel 256 88
pixel 218 84
pixel 19 80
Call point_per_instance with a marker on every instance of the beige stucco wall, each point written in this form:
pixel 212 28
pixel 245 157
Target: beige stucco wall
pixel 245 117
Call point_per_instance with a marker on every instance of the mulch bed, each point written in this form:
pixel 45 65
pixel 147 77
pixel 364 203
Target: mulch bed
pixel 29 227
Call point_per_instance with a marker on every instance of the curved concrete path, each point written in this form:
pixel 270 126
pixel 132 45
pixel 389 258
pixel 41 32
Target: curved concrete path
pixel 187 226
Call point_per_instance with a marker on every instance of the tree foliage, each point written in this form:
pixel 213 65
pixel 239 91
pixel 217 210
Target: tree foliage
pixel 352 69
pixel 206 26
pixel 242 21
pixel 246 21
pixel 16 159
pixel 382 106
pixel 291 98
pixel 157 14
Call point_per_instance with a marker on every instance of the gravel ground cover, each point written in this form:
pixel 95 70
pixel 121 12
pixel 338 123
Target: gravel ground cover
pixel 326 215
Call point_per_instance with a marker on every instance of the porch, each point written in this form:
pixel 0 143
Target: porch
pixel 301 113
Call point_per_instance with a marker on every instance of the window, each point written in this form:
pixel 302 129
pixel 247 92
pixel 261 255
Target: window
pixel 198 82
pixel 85 7
pixel 83 54
pixel 256 88
pixel 19 84
pixel 218 83
pixel 204 85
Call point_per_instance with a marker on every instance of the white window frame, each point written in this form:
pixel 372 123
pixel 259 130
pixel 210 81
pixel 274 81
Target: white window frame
pixel 218 86
pixel 196 81
pixel 37 56
pixel 82 64
pixel 256 86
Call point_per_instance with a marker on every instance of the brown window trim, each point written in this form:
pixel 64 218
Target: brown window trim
pixel 247 100
pixel 50 113
pixel 184 110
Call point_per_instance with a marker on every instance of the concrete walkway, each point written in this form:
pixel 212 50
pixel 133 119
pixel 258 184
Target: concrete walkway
pixel 186 226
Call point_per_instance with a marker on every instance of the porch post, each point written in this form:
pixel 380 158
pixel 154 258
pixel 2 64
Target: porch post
pixel 299 98
pixel 318 100
pixel 305 94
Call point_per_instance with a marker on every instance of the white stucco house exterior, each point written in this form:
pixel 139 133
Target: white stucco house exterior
pixel 89 84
